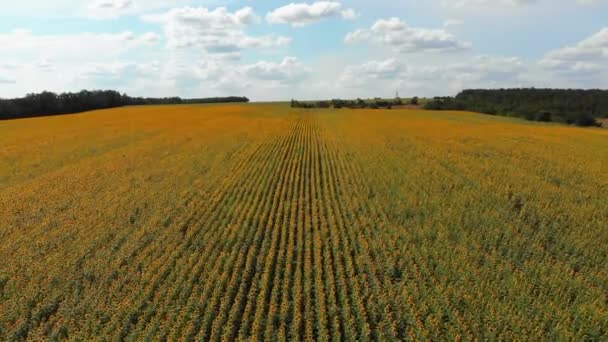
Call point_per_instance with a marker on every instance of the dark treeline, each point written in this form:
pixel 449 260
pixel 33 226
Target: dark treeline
pixel 47 103
pixel 570 106
pixel 376 103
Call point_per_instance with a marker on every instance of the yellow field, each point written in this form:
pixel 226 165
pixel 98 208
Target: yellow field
pixel 263 222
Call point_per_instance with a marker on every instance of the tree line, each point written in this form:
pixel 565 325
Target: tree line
pixel 571 106
pixel 48 103
pixel 376 103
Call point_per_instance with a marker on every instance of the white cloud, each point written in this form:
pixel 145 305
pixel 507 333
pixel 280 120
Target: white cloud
pixel 288 71
pixel 60 62
pixel 488 68
pixel 385 76
pixel 45 64
pixel 212 76
pixel 201 51
pixel 217 31
pixel 363 75
pixel 112 9
pixel 23 45
pixel 302 14
pixel 106 9
pixel 350 14
pixel 586 57
pixel 123 71
pixel 150 38
pixel 397 34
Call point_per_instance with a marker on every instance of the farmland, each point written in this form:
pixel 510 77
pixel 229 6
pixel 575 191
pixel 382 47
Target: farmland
pixel 262 222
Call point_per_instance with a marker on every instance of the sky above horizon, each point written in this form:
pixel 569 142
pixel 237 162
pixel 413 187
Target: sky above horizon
pixel 278 50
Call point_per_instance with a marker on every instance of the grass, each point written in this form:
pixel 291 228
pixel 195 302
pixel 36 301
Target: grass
pixel 261 221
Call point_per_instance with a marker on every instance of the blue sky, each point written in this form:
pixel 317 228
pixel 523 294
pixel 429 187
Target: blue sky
pixel 276 50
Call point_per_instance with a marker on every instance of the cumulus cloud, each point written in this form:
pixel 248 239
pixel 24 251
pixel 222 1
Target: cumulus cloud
pixel 370 72
pixel 60 62
pixel 302 14
pixel 399 35
pixel 24 45
pixel 200 51
pixel 434 79
pixel 45 64
pixel 287 71
pixel 105 9
pixel 217 31
pixel 350 14
pixel 588 56
pixel 119 70
pixel 213 76
pixel 487 68
pixel 112 9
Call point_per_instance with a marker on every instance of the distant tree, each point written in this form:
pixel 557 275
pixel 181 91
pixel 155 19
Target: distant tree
pixel 47 103
pixel 397 100
pixel 376 103
pixel 414 101
pixel 586 121
pixel 324 104
pixel 570 106
pixel 361 103
pixel 544 116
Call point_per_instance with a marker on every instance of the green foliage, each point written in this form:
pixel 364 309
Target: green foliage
pixel 444 103
pixel 47 103
pixel 570 106
pixel 376 103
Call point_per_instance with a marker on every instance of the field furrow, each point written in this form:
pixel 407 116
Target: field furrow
pixel 262 222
